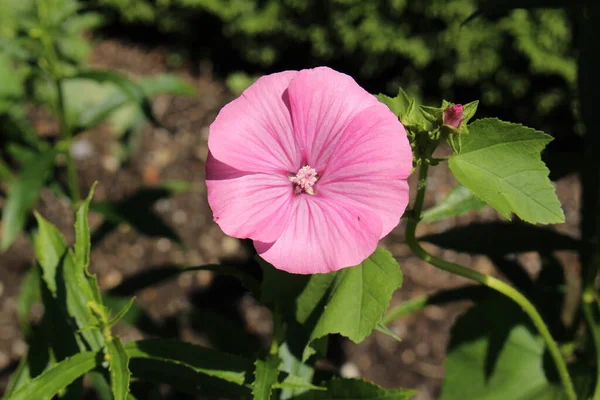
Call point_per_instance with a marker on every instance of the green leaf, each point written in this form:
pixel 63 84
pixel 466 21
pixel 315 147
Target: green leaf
pixel 130 88
pixel 495 354
pixel 350 301
pixel 265 376
pixel 500 162
pixel 66 282
pixel 150 86
pixel 202 360
pixel 48 384
pixel 118 367
pixel 23 195
pixel 459 201
pixel 166 84
pixel 406 109
pixel 356 389
pixel 300 373
pixel 83 246
pixel 121 313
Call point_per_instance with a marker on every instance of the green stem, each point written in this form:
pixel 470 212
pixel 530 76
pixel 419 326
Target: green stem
pixel 67 137
pixel 486 280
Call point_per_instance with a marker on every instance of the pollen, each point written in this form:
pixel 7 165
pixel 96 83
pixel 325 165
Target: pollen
pixel 305 180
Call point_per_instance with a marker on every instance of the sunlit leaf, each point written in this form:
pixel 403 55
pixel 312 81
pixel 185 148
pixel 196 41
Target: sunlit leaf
pixel 459 201
pixel 500 163
pixel 350 301
pixel 23 195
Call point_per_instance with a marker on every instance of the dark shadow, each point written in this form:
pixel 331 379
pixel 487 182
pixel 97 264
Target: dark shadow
pixel 514 272
pixel 501 238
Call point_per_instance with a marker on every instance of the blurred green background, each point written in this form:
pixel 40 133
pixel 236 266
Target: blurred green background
pixel 521 65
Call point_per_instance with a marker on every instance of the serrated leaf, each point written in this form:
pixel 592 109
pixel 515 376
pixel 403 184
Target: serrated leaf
pixel 68 284
pixel 23 195
pixel 500 163
pixel 356 389
pixel 214 363
pixel 83 246
pixel 459 201
pixel 494 355
pixel 48 384
pixel 265 376
pixel 118 361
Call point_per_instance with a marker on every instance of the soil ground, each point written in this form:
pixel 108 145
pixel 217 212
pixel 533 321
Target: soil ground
pixel 416 362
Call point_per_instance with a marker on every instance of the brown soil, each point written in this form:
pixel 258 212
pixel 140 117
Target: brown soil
pixel 416 362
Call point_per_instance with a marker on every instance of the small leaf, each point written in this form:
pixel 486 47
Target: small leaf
pixel 500 163
pixel 23 195
pixel 121 313
pixel 493 353
pixel 118 366
pixel 265 376
pixel 387 331
pixel 47 385
pixel 459 201
pixel 356 389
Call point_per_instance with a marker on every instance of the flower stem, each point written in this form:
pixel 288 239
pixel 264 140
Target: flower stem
pixel 486 280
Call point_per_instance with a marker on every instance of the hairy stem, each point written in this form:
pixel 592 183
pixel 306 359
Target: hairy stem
pixel 486 280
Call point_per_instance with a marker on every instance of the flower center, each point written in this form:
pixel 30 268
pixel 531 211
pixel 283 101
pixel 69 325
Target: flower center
pixel 304 180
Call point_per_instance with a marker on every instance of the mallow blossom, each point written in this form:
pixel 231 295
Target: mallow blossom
pixel 309 166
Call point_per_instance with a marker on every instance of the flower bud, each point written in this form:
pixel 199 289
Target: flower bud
pixel 453 116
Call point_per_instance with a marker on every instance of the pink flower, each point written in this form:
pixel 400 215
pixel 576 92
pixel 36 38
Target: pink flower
pixel 309 166
pixel 453 115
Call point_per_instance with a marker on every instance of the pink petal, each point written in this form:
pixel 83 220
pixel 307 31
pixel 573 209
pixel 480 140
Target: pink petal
pixel 370 165
pixel 254 132
pixel 255 206
pixel 322 236
pixel 388 199
pixel 323 102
